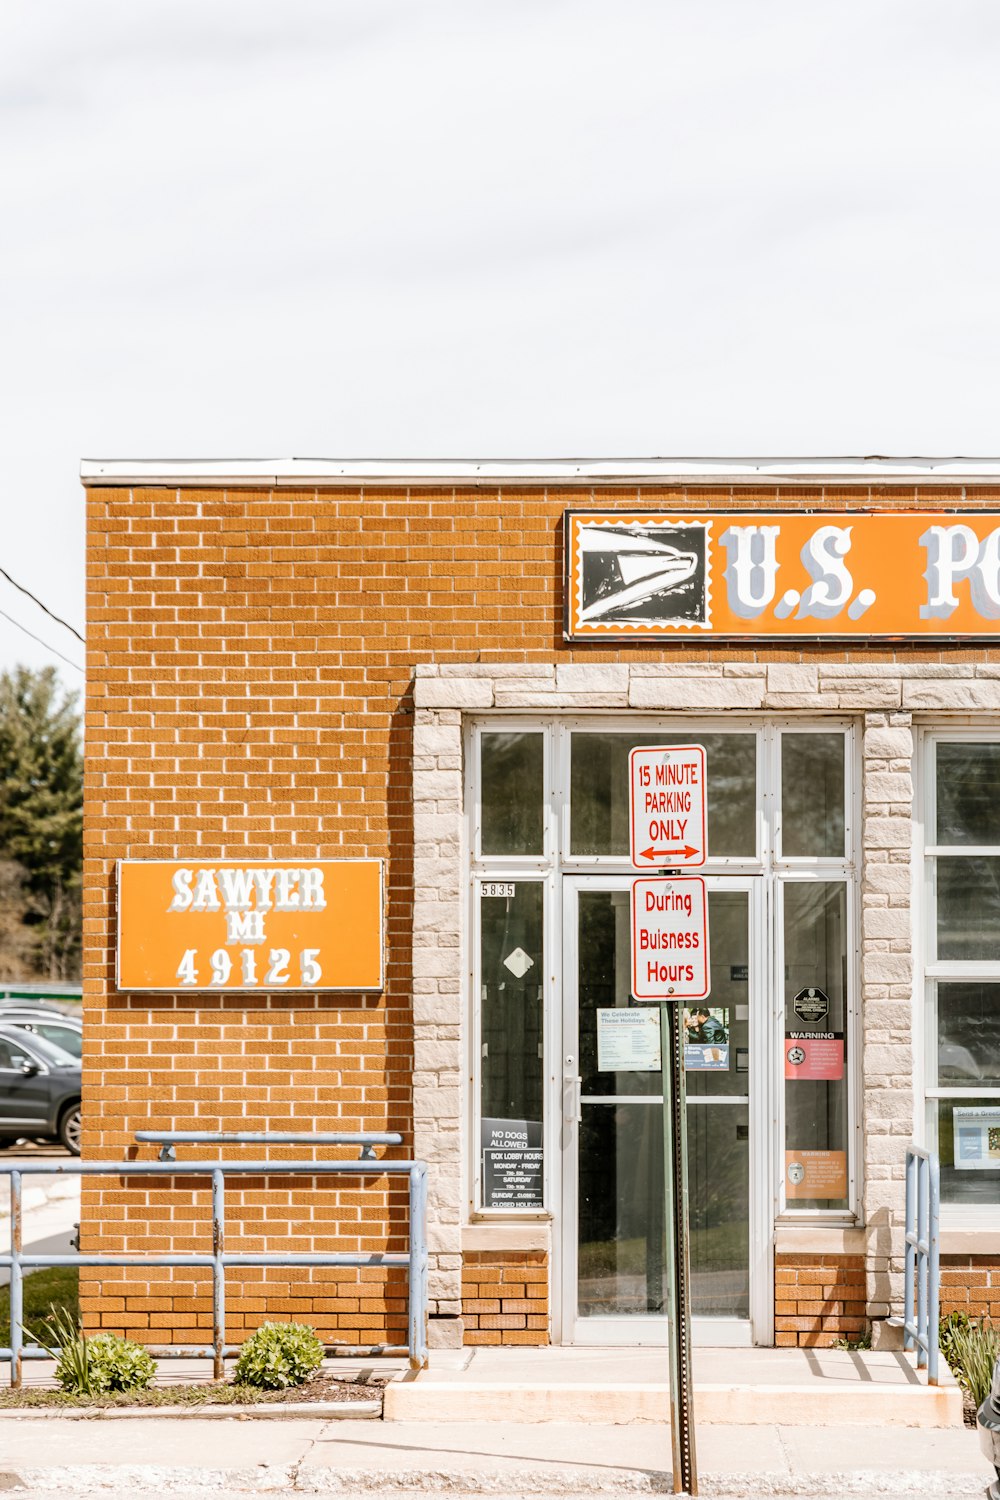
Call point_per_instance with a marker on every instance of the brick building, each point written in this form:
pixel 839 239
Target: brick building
pixel 443 667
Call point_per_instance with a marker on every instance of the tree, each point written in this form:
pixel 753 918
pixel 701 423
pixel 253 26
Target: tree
pixel 41 819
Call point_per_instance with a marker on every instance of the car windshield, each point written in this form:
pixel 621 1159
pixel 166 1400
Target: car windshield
pixel 66 1038
pixel 49 1052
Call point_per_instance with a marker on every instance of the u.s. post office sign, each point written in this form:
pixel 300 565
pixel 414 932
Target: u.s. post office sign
pixel 644 575
pixel 248 925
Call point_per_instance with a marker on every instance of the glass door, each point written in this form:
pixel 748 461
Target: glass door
pixel 612 1278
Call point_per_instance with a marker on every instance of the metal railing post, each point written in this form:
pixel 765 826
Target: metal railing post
pixel 911 1251
pixel 923 1259
pixel 922 1230
pixel 16 1282
pixel 934 1247
pixel 218 1274
pixel 417 1299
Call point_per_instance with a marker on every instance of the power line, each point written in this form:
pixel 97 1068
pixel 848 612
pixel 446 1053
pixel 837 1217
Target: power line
pixel 39 639
pixel 48 611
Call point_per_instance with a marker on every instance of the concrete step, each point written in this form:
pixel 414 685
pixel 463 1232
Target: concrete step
pixel 820 1388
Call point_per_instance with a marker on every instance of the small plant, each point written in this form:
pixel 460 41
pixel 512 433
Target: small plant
pixel 100 1365
pixel 857 1341
pixel 947 1328
pixel 972 1348
pixel 278 1355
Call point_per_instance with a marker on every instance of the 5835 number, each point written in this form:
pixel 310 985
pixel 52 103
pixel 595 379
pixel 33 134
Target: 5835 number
pixel 276 970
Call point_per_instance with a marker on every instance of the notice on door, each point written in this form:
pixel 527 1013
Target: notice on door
pixel 628 1041
pixel 977 1139
pixel 512 1164
pixel 814 1055
pixel 816 1174
pixel 706 1039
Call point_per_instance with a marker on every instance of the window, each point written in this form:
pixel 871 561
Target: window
pixel 549 808
pixel 11 1057
pixel 962 922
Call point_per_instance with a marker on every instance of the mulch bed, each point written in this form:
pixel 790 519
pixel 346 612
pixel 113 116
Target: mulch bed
pixel 325 1388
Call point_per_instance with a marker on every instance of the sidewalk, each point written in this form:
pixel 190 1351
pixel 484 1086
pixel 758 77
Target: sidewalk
pixel 195 1459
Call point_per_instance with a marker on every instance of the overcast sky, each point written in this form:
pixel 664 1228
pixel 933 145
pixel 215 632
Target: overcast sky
pixel 483 227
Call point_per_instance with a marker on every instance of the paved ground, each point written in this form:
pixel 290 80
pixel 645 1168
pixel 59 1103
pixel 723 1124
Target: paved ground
pixel 51 1205
pixel 195 1457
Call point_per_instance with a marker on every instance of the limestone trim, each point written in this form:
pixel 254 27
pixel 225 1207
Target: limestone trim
pixel 884 696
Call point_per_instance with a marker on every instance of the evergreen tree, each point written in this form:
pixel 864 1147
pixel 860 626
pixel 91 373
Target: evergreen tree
pixel 41 818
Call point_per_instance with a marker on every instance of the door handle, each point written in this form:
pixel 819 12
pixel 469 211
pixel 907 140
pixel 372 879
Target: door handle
pixel 574 1111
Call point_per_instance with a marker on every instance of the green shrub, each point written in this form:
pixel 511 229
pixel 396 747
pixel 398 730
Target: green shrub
pixel 947 1328
pixel 278 1355
pixel 100 1365
pixel 971 1349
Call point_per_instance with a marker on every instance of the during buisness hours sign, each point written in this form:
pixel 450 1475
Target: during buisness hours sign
pixel 222 925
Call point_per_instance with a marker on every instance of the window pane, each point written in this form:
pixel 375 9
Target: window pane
pixel 513 783
pixel 969 1034
pixel 815 1045
pixel 599 791
pixel 968 907
pixel 620 1210
pixel 969 1150
pixel 968 793
pixel 812 795
pixel 512 980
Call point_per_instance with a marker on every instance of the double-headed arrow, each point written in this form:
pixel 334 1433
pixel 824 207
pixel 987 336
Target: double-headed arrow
pixel 662 854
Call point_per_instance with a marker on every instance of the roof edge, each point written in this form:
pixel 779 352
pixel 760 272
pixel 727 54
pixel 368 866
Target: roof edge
pixel 275 473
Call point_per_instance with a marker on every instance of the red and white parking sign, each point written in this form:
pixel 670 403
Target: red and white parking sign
pixel 667 822
pixel 670 938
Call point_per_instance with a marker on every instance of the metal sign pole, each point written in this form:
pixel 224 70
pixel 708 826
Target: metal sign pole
pixel 677 1263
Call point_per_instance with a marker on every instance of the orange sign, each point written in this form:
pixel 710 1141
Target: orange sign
pixel 226 925
pixel 644 575
pixel 816 1174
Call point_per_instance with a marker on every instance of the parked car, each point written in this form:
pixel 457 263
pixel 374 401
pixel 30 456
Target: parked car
pixel 39 1090
pixel 50 1024
pixel 988 1424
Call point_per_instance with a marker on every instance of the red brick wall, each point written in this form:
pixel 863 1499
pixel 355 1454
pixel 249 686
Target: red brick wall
pixel 505 1296
pixel 250 657
pixel 818 1299
pixel 971 1284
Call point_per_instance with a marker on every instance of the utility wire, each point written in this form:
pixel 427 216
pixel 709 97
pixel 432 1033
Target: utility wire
pixel 48 611
pixel 39 639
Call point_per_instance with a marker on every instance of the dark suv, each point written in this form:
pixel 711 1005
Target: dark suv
pixel 39 1091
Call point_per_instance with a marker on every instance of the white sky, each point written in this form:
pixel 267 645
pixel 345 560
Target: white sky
pixel 484 227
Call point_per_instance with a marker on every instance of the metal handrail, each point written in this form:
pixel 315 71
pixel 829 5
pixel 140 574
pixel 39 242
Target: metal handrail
pixel 923 1253
pixel 415 1258
pixel 366 1139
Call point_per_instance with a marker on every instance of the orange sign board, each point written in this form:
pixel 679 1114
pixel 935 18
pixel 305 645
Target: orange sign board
pixel 647 575
pixel 816 1174
pixel 246 925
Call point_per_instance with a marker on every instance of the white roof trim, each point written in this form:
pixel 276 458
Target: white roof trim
pixel 274 473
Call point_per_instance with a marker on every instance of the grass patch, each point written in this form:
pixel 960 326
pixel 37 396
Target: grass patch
pixel 46 1293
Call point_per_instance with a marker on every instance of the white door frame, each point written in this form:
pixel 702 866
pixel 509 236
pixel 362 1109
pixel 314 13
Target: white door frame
pixel 567 1328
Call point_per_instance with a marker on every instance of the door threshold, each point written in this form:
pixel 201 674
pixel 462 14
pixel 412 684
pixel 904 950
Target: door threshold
pixel 651 1333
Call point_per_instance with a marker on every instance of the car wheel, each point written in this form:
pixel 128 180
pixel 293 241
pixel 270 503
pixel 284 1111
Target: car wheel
pixel 69 1129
